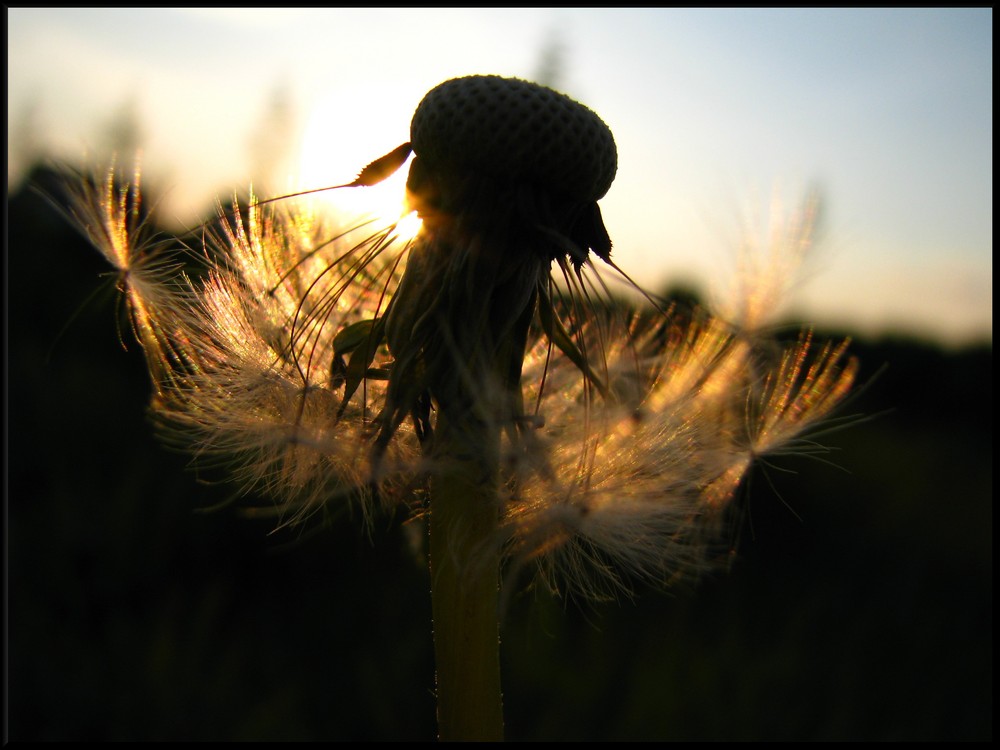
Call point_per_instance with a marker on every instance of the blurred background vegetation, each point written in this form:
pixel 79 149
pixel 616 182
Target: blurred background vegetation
pixel 858 607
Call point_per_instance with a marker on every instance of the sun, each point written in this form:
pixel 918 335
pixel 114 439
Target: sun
pixel 336 145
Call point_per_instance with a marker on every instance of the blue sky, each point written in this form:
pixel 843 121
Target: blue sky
pixel 887 112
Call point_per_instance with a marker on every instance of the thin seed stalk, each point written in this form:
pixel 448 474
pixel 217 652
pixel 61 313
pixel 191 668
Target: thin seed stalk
pixel 464 581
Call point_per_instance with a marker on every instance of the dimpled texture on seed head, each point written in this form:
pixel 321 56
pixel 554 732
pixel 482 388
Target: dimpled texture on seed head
pixel 506 127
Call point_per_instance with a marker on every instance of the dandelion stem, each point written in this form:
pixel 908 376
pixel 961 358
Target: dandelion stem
pixel 464 573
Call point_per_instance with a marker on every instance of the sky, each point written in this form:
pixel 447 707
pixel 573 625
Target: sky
pixel 719 116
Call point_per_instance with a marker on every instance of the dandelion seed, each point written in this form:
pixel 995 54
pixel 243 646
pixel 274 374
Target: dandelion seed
pixel 770 257
pixel 150 279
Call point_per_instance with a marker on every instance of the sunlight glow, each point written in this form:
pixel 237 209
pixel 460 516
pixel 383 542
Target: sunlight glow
pixel 336 146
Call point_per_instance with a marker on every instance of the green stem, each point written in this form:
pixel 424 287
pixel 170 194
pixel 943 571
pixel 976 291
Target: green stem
pixel 465 563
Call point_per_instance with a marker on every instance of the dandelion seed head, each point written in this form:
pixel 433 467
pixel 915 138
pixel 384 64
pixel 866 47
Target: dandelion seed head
pixel 507 127
pixel 320 367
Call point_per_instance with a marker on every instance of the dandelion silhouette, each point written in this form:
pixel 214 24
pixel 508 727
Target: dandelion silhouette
pixel 480 360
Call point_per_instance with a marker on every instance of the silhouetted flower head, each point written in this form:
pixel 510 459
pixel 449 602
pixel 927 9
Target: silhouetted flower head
pixel 316 363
